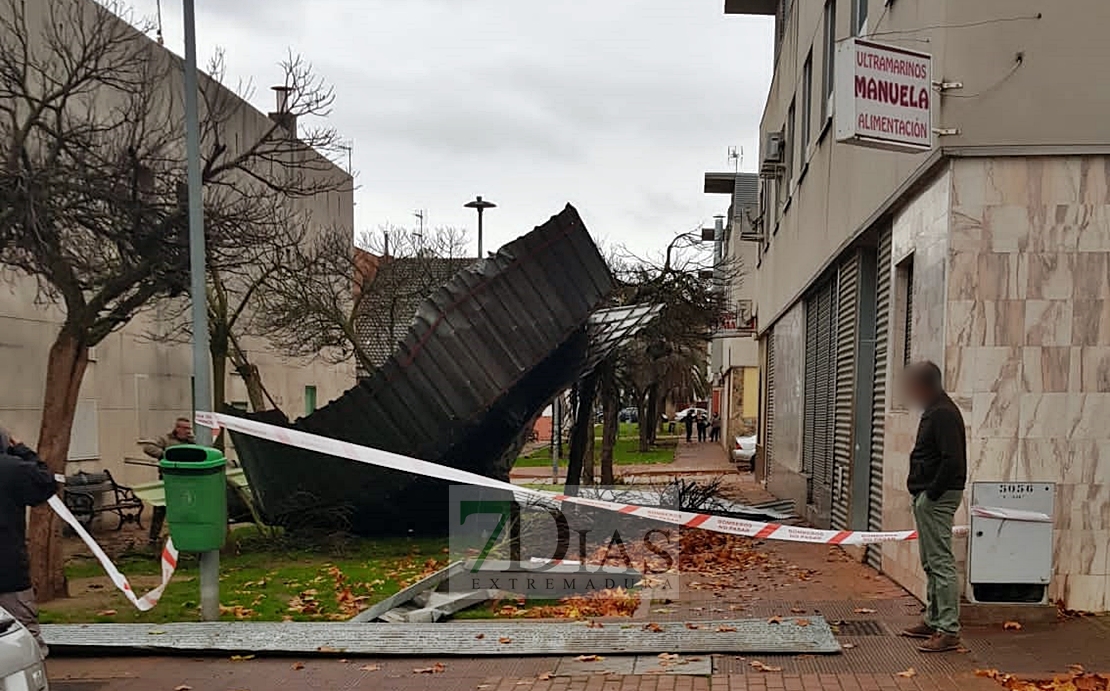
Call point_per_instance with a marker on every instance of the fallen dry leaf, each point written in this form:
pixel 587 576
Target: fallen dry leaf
pixel 908 673
pixel 546 676
pixel 1012 626
pixel 183 687
pixel 504 640
pixel 241 658
pixel 298 666
pixel 848 646
pixel 106 613
pixel 370 668
pixel 724 628
pixel 589 658
pixel 653 627
pixel 775 620
pixel 802 622
pixel 761 667
pixel 668 656
pixel 480 636
pixel 796 610
pixel 437 668
pixel 693 627
pixel 863 610
pixel 595 625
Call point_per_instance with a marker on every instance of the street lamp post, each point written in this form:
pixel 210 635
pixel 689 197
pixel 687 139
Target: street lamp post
pixel 202 373
pixel 481 205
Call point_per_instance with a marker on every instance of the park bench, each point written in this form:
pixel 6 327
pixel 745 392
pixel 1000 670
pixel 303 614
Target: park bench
pixel 89 494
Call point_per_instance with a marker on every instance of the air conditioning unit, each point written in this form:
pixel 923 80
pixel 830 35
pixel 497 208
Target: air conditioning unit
pixel 773 150
pixel 752 226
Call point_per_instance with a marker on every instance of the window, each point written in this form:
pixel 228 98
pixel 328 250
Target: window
pixel 309 400
pixel 807 106
pixel 788 159
pixel 859 17
pixel 827 69
pixel 902 324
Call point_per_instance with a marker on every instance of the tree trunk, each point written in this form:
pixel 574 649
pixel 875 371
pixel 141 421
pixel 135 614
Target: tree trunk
pixel 256 394
pixel 65 369
pixel 656 398
pixel 580 432
pixel 649 423
pixel 219 384
pixel 588 460
pixel 610 429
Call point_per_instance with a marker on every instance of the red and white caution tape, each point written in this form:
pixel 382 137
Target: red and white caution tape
pixel 144 602
pixel 687 519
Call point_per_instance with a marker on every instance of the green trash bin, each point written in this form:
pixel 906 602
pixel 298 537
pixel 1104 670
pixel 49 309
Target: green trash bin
pixel 196 497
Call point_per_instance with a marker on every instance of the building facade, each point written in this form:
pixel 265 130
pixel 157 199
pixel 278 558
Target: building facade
pixel 734 350
pixel 136 384
pixel 987 253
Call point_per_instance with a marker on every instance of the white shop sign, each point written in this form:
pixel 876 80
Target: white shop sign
pixel 883 94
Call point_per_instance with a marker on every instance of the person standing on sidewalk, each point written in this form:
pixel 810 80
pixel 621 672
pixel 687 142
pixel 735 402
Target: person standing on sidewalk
pixel 938 473
pixel 182 434
pixel 24 481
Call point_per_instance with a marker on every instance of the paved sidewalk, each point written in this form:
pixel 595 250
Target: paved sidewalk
pixel 767 579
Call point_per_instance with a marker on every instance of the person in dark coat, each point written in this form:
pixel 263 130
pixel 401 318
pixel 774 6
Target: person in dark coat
pixel 938 473
pixel 715 428
pixel 703 425
pixel 182 434
pixel 24 481
pixel 688 420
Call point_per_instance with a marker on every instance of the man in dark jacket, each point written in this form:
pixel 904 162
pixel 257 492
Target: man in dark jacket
pixel 182 434
pixel 24 481
pixel 938 472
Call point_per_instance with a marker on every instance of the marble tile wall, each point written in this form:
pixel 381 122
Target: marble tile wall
pixel 784 477
pixel 1027 343
pixel 920 230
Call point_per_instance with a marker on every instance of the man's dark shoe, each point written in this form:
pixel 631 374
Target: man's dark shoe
pixel 940 643
pixel 920 631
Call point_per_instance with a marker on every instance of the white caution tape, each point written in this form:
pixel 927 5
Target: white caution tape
pixel 687 519
pixel 143 603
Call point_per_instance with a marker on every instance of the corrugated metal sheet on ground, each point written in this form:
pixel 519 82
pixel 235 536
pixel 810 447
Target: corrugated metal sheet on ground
pixel 484 355
pixel 462 638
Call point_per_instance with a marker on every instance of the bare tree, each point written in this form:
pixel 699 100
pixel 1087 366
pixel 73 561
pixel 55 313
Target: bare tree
pixel 92 201
pixel 332 298
pixel 669 358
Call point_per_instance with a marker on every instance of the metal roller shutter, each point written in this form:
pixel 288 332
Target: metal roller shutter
pixel 846 332
pixel 820 394
pixel 878 410
pixel 769 413
pixel 809 415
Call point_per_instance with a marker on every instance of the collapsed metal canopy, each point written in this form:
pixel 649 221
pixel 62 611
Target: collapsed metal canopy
pixel 484 356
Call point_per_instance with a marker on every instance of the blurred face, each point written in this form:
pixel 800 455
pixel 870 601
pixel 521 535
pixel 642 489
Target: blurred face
pixel 916 393
pixel 182 429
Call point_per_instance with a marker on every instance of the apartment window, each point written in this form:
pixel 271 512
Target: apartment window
pixel 859 17
pixel 807 106
pixel 827 71
pixel 309 400
pixel 902 322
pixel 788 160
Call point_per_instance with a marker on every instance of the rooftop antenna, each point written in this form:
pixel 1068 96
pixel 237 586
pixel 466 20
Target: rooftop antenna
pixel 349 147
pixel 736 157
pixel 158 9
pixel 420 215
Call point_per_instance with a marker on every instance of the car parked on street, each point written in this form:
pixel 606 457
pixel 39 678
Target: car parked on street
pixel 744 449
pixel 697 412
pixel 21 665
pixel 629 415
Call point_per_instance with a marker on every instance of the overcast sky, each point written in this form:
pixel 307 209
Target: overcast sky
pixel 616 106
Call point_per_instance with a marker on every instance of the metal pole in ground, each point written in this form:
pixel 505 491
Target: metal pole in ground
pixel 556 433
pixel 202 373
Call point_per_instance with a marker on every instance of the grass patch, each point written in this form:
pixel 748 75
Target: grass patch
pixel 626 452
pixel 259 581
